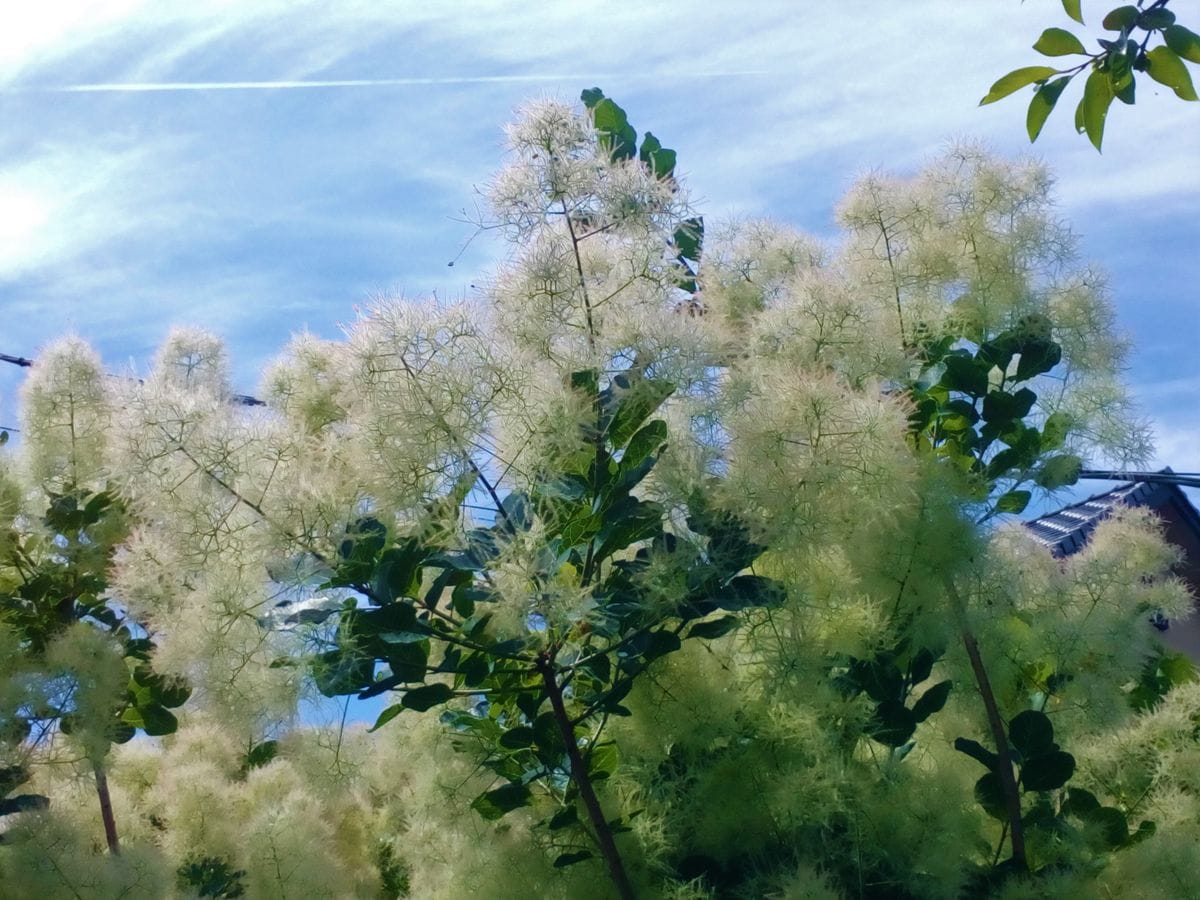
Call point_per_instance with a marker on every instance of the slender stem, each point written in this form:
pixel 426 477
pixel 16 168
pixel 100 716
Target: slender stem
pixel 106 811
pixel 1012 798
pixel 604 835
pixel 587 302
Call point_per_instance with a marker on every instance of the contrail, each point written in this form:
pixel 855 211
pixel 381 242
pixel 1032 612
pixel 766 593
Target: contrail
pixel 158 86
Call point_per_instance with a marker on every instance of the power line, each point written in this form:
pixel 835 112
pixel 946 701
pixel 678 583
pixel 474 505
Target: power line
pixel 236 399
pixel 1183 479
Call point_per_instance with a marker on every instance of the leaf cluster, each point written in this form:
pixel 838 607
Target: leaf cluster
pixel 1112 70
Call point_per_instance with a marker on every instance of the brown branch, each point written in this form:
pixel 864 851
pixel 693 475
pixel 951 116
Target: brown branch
pixel 106 811
pixel 579 775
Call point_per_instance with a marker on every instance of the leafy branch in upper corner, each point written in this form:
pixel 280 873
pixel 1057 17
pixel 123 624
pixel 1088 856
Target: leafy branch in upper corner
pixel 1144 39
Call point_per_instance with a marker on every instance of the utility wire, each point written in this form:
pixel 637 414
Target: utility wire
pixel 237 399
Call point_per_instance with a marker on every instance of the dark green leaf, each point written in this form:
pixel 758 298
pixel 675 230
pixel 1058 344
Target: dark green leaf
pixel 1145 829
pixel 517 738
pixel 569 859
pixel 426 697
pixel 1185 43
pixel 386 716
pixel 627 523
pixel 659 159
pixel 547 734
pixel 565 817
pixel 1058 42
pixel 989 793
pixel 689 238
pixel 1013 502
pixel 341 672
pixel 1016 80
pixel 474 669
pixel 12 777
pixel 1122 18
pixel 646 441
pixel 714 628
pixel 407 660
pixel 1155 19
pixel 978 752
pixel 591 97
pixel 602 761
pixel 153 719
pixel 921 666
pixel 893 723
pixel 495 804
pixel 1168 69
pixel 259 755
pixel 616 135
pixel 636 404
pixel 22 803
pixel 1042 104
pixel 1111 824
pixel 1037 358
pixel 1080 803
pixel 1031 733
pixel 1047 771
pixel 932 701
pixel 1093 108
pixel 965 375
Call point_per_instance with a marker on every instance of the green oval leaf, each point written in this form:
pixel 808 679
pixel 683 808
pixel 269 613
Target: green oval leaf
pixel 1031 733
pixel 1155 19
pixel 569 859
pixel 714 628
pixel 1048 771
pixel 1013 502
pixel 424 698
pixel 1122 18
pixel 1071 7
pixel 1042 105
pixel 1058 42
pixel 153 719
pixel 517 738
pixel 1168 69
pixel 989 793
pixel 259 755
pixel 1093 109
pixel 1015 80
pixel 566 816
pixel 386 716
pixel 1184 42
pixel 495 804
pixel 932 701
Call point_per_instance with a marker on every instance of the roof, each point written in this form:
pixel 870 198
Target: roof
pixel 1068 530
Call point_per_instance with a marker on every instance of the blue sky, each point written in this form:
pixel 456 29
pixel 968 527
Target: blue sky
pixel 165 162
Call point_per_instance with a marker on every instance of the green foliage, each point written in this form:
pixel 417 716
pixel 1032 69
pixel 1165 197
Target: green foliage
pixel 1113 69
pixel 971 405
pixel 593 531
pixel 888 679
pixel 212 877
pixel 61 584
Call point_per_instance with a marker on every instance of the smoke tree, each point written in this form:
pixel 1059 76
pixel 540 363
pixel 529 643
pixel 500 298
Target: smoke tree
pixel 679 558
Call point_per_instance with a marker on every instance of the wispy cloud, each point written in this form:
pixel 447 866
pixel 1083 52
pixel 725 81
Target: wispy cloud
pixel 158 86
